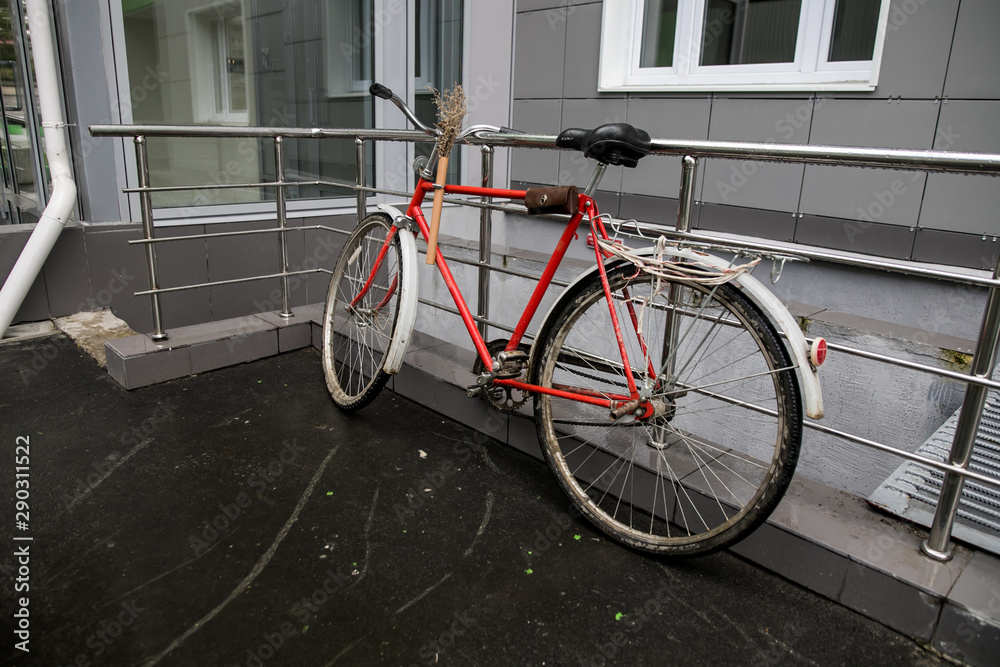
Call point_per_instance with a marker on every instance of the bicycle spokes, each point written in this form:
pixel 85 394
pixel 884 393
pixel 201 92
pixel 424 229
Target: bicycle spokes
pixel 711 444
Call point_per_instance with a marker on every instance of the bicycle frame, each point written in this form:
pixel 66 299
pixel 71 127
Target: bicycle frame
pixel 715 424
pixel 586 206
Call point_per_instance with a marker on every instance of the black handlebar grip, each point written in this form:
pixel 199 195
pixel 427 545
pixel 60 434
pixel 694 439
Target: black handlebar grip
pixel 378 90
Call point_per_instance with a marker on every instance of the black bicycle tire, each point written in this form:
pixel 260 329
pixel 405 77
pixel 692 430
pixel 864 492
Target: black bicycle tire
pixel 786 451
pixel 341 398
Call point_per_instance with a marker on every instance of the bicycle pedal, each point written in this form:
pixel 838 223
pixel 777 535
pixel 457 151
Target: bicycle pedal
pixel 475 391
pixel 512 356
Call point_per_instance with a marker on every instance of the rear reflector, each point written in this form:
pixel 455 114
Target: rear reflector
pixel 817 353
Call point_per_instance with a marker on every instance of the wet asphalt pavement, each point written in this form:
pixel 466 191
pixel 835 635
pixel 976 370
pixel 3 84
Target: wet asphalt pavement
pixel 238 518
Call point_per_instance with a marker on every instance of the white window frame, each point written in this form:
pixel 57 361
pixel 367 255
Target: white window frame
pixel 205 86
pixel 623 25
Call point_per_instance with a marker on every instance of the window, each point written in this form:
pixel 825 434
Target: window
pixel 349 62
pixel 220 87
pixel 437 63
pixel 742 44
pixel 306 63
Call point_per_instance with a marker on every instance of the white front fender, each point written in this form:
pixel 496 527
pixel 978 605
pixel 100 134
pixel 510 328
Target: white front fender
pixel 403 331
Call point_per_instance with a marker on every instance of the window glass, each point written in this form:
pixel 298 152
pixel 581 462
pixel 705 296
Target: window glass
pixel 743 32
pixel 234 76
pixel 855 24
pixel 437 64
pixel 659 25
pixel 263 63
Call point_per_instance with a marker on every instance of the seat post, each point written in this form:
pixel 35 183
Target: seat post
pixel 595 179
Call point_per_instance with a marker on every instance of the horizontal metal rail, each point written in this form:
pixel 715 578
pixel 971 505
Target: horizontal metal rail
pixel 477 318
pixel 816 426
pixel 902 453
pixel 956 470
pixel 914 366
pixel 244 232
pixel 500 269
pixel 233 281
pixel 827 256
pixel 230 132
pixel 835 156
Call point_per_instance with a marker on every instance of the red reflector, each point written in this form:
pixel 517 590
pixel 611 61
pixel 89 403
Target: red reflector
pixel 817 353
pixel 590 241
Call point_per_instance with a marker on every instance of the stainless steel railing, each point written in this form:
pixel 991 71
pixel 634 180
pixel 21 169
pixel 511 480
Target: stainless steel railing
pixel 937 545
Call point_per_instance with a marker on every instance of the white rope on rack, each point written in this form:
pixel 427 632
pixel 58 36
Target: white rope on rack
pixel 662 269
pixel 689 271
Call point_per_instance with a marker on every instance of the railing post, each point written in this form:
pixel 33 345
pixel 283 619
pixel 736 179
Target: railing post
pixel 685 204
pixel 279 177
pixel 937 543
pixel 146 206
pixel 359 147
pixel 485 242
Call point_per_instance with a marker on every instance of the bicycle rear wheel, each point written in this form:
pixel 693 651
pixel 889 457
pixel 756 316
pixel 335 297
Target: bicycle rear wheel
pixel 357 331
pixel 716 457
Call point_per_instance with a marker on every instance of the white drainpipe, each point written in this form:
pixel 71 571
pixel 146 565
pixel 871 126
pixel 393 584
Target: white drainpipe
pixel 63 197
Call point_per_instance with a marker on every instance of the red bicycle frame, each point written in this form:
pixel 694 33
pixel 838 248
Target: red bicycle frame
pixel 586 206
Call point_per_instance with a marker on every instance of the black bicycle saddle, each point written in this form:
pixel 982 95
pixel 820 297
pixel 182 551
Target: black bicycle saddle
pixel 614 143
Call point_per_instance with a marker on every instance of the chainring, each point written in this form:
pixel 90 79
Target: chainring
pixel 504 399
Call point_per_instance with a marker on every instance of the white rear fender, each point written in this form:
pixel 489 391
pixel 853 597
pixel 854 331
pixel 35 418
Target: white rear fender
pixel 407 286
pixel 775 310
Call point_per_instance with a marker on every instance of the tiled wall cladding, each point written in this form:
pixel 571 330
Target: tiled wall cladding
pixel 938 88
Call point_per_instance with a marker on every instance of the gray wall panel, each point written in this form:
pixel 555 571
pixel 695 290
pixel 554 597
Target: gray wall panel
pixel 240 257
pixel 955 201
pixel 67 280
pixel 543 116
pixel 917 42
pixel 961 203
pixel 321 249
pixel 665 118
pixel 540 45
pixel 972 70
pixel 757 184
pixel 954 248
pixel 184 263
pixel 871 238
pixel 747 221
pixel 582 52
pixel 110 258
pixel 35 306
pixel 884 196
pixel 297 286
pixel 658 210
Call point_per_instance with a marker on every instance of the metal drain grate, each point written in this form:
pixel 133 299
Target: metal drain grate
pixel 912 490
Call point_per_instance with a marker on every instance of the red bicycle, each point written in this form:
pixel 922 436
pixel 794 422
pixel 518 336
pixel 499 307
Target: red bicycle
pixel 665 401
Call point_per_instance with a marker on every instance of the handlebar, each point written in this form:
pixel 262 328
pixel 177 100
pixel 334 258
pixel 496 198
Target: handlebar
pixel 380 91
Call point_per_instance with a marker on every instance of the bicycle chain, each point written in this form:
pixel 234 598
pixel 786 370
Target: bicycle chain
pixel 571 422
pixel 577 422
pixel 595 378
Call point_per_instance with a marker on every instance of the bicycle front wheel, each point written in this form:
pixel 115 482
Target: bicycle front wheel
pixel 357 330
pixel 715 457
